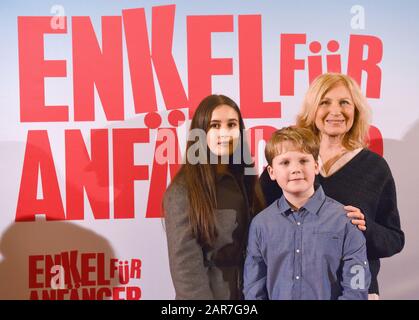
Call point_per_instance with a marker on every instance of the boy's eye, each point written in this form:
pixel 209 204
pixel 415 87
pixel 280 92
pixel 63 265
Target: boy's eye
pixel 284 163
pixel 303 161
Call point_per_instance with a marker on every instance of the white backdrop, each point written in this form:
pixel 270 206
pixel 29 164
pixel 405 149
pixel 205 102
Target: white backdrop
pixel 28 248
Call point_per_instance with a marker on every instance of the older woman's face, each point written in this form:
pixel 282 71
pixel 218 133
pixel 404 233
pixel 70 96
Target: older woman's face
pixel 335 113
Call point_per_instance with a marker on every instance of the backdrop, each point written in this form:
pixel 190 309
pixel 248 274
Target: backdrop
pixel 91 91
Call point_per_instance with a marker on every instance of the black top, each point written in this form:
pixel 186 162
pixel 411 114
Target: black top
pixel 228 254
pixel 364 182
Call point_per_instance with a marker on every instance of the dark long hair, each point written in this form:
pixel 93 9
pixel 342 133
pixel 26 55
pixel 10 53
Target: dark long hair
pixel 200 178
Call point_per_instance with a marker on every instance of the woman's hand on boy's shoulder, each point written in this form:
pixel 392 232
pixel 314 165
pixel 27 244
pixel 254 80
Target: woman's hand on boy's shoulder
pixel 356 216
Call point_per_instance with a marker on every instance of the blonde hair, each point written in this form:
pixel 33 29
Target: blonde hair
pixel 302 139
pixel 357 136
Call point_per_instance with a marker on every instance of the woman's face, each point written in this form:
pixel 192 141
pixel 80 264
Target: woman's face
pixel 224 130
pixel 335 113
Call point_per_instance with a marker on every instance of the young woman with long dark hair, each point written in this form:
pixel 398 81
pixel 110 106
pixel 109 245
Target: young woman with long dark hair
pixel 210 203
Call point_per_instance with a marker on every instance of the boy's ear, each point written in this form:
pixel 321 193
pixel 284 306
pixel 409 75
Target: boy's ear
pixel 271 172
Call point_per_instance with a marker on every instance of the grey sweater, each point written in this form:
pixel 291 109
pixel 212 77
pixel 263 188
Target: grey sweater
pixel 198 273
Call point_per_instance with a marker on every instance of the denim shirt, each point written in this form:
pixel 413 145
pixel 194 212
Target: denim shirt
pixel 313 253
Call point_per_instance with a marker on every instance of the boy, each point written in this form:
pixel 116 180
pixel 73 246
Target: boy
pixel 303 246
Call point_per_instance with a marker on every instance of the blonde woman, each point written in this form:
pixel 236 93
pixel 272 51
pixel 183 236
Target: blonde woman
pixel 337 112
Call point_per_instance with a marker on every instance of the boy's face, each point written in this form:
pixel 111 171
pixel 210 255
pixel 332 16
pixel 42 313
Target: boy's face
pixel 294 170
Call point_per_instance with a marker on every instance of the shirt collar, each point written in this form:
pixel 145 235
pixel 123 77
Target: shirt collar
pixel 283 206
pixel 316 201
pixel 312 205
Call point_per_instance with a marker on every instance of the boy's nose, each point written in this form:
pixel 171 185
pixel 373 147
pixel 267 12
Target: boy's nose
pixel 296 169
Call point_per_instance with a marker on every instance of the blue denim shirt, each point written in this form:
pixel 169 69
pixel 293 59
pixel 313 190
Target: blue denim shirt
pixel 313 253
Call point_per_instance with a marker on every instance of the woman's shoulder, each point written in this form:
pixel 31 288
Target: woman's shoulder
pixel 369 166
pixel 372 158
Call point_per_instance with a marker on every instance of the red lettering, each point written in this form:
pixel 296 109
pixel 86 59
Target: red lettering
pixel 95 67
pixel 34 271
pixel 125 172
pixel 141 70
pixel 113 267
pixel 201 66
pixel 254 136
pixel 86 269
pixel 38 156
pixel 61 293
pixel 116 293
pixel 49 263
pixel 167 139
pixel 141 60
pixel 87 173
pixel 33 69
pixel 49 294
pixel 251 80
pixel 288 62
pixel 103 292
pixel 33 295
pixel 133 293
pixel 69 263
pixel 88 293
pixel 162 37
pixel 135 268
pixel 356 64
pixel 101 280
pixel 376 141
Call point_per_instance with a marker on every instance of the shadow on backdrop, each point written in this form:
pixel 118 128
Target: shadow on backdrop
pixel 19 240
pixel 24 239
pixel 399 277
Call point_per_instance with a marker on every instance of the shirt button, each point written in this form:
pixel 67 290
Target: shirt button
pixel 298 250
pixel 298 223
pixel 297 277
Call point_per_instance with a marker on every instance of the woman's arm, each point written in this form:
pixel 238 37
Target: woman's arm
pixel 384 235
pixel 186 259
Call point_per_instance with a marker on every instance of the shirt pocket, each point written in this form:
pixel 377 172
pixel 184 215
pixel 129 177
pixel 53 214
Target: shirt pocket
pixel 328 244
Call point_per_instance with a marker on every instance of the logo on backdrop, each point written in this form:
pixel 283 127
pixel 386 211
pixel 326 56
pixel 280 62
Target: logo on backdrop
pixel 92 158
pixel 83 276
